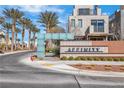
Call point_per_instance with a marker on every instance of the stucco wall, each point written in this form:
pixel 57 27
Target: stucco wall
pixel 122 24
pixel 75 10
pixel 87 23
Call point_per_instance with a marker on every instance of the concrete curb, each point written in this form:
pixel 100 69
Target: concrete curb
pixel 14 52
pixel 83 62
pixel 64 68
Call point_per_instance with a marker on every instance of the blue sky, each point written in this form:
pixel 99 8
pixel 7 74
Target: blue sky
pixel 63 11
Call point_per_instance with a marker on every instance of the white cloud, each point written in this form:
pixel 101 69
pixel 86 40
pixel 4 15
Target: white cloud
pixel 31 8
pixel 55 9
pixel 39 8
pixel 106 13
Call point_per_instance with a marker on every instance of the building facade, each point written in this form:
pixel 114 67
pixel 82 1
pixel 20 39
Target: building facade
pixel 87 23
pixel 116 23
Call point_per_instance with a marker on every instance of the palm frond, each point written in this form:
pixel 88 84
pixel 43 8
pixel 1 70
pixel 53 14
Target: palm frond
pixel 48 19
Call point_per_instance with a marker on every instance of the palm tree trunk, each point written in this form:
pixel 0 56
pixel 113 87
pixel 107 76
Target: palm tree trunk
pixel 16 40
pixel 29 39
pixel 34 39
pixel 23 34
pixel 49 44
pixel 13 30
pixel 7 40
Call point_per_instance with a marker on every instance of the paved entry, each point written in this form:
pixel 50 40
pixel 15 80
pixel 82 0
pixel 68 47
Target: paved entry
pixel 42 37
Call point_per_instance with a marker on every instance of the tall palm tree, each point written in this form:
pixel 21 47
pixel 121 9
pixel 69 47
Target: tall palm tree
pixel 14 15
pixel 16 37
pixel 25 22
pixel 2 20
pixel 7 27
pixel 32 27
pixel 34 35
pixel 48 20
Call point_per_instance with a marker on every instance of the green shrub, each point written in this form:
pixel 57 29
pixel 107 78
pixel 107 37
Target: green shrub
pixel 71 58
pixel 92 58
pixel 116 59
pixel 50 50
pixel 121 59
pixel 83 58
pixel 89 58
pixel 103 59
pixel 109 59
pixel 96 59
pixel 64 58
pixel 78 58
pixel 56 51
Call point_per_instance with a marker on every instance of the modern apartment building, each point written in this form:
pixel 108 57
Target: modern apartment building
pixel 88 23
pixel 116 23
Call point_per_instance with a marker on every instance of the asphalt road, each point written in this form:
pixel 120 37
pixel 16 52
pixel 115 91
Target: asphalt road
pixel 13 74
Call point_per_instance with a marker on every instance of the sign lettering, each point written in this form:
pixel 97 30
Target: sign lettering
pixel 84 49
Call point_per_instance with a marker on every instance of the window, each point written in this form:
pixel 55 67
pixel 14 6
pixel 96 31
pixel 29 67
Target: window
pixel 98 25
pixel 80 23
pixel 72 22
pixel 94 23
pixel 84 11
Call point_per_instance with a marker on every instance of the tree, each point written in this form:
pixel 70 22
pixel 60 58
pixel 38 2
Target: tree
pixel 34 35
pixel 25 22
pixel 58 29
pixel 31 27
pixel 16 38
pixel 7 27
pixel 14 15
pixel 2 20
pixel 48 20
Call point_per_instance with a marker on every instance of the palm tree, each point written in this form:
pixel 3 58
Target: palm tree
pixel 34 35
pixel 58 29
pixel 48 20
pixel 7 27
pixel 24 22
pixel 2 20
pixel 16 38
pixel 31 27
pixel 14 15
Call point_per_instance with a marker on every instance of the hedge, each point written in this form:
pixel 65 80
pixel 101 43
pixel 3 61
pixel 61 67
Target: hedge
pixel 81 58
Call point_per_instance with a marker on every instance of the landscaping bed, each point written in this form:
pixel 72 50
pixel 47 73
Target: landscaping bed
pixel 86 58
pixel 115 68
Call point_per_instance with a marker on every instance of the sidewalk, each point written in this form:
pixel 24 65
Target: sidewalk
pixel 63 67
pixel 81 62
pixel 14 52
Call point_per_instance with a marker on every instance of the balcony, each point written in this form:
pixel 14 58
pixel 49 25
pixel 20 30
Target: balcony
pixel 91 34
